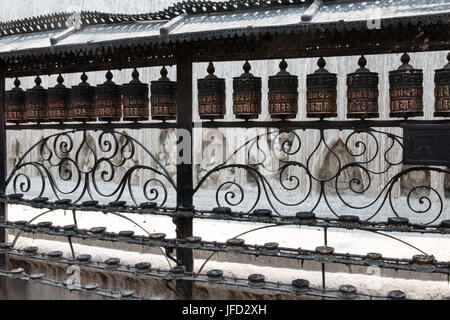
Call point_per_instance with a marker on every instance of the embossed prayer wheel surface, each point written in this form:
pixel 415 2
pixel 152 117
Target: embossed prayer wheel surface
pixel 406 90
pixel 108 100
pixel 211 96
pixel 15 104
pixel 321 93
pixel 442 91
pixel 36 102
pixel 59 102
pixel 135 99
pixel 362 92
pixel 247 95
pixel 83 101
pixel 163 98
pixel 283 94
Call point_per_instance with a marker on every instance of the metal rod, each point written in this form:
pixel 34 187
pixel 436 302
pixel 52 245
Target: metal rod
pixel 143 229
pixel 3 164
pixel 323 279
pixel 402 241
pixel 245 217
pixel 184 225
pixel 293 125
pixel 93 126
pixel 247 232
pixel 289 253
pixel 71 247
pixel 325 240
pixel 20 232
pixel 74 217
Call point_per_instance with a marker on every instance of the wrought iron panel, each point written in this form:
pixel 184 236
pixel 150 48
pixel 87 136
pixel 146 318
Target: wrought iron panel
pixel 427 145
pixel 298 184
pixel 81 165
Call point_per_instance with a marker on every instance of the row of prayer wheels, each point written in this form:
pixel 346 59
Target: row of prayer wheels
pixel 85 103
pixel 130 102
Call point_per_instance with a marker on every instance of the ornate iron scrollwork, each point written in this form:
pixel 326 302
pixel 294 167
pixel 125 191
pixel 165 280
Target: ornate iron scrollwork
pixel 87 167
pixel 355 176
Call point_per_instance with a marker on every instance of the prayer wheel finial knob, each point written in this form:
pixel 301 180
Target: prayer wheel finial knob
pixel 84 77
pixel 362 62
pixel 109 75
pixel 211 69
pixel 135 74
pixel 321 63
pixel 60 79
pixel 405 58
pixel 405 62
pixel 164 72
pixel 247 67
pixel 38 81
pixel 283 65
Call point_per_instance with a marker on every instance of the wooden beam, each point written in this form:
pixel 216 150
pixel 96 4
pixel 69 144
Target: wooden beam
pixel 388 39
pixel 3 162
pixel 184 169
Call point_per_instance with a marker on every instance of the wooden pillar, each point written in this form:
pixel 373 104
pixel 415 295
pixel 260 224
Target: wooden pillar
pixel 3 156
pixel 183 220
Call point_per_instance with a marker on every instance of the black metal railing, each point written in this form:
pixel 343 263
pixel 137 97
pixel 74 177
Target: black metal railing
pixel 72 168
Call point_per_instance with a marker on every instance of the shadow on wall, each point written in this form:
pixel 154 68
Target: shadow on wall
pixel 416 183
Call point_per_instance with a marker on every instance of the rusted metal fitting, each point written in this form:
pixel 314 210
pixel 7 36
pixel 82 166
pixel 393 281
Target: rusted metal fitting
pixel 142 267
pixel 374 258
pixel 83 258
pixel 235 245
pixel 215 276
pixel 30 251
pixel 256 281
pixel 300 285
pixel 324 254
pixel 397 295
pixel 55 255
pixel 347 292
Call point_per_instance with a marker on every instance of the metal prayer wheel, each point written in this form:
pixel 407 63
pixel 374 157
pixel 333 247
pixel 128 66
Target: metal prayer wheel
pixel 362 92
pixel 15 104
pixel 36 102
pixel 406 90
pixel 108 100
pixel 59 102
pixel 442 91
pixel 211 96
pixel 247 95
pixel 163 98
pixel 321 93
pixel 83 101
pixel 135 99
pixel 283 94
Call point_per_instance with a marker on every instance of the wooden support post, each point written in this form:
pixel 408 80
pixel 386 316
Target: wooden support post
pixel 184 165
pixel 3 206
